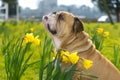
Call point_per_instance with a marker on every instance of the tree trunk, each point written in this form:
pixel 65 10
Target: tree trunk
pixel 107 11
pixel 118 11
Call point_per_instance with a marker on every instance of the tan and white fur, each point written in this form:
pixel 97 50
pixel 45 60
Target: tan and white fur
pixel 68 33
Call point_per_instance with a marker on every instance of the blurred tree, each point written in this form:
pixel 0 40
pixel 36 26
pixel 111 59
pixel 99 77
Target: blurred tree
pixel 9 1
pixel 109 7
pixel 12 7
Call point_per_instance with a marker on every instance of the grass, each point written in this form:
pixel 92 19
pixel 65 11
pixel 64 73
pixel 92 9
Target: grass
pixel 108 49
pixel 12 29
pixel 18 30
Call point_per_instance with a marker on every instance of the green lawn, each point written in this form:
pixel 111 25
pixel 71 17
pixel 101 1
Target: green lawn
pixel 13 30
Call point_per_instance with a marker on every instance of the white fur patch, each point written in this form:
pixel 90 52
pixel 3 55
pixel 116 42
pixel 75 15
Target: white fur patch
pixel 57 42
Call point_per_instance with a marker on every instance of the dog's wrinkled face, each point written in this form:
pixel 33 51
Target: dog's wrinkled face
pixel 62 23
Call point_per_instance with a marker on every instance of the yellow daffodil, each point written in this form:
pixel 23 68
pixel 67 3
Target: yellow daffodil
pixel 99 30
pixel 106 34
pixel 87 63
pixel 74 58
pixel 36 41
pixel 69 57
pixel 64 56
pixel 29 37
pixel 31 29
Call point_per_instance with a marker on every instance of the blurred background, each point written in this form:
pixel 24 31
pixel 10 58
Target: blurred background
pixel 87 10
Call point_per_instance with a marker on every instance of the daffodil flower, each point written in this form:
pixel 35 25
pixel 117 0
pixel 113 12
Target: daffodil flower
pixel 29 37
pixel 87 63
pixel 74 58
pixel 36 41
pixel 64 56
pixel 106 34
pixel 99 30
pixel 69 57
pixel 31 29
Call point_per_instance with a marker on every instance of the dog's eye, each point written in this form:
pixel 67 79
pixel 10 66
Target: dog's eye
pixel 60 17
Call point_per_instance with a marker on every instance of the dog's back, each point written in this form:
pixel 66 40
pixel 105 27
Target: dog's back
pixel 102 67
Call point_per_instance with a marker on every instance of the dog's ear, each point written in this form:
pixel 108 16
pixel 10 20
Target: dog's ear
pixel 77 25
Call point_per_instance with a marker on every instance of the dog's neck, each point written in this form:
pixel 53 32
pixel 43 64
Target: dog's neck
pixel 74 43
pixel 56 42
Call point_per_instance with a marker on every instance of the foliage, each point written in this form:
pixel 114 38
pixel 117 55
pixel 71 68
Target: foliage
pixel 17 56
pixel 50 68
pixel 109 6
pixel 16 61
pixel 98 37
pixel 47 67
pixel 9 1
pixel 116 55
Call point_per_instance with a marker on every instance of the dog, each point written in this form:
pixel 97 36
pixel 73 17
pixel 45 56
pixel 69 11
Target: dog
pixel 67 32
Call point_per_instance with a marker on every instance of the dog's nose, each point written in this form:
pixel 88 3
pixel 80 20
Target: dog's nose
pixel 45 17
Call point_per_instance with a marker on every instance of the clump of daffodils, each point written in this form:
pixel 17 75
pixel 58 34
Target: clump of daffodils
pixel 73 58
pixel 100 31
pixel 30 38
pixel 69 57
pixel 98 38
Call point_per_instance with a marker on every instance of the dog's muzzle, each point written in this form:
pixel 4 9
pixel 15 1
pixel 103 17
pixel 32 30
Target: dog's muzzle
pixel 48 26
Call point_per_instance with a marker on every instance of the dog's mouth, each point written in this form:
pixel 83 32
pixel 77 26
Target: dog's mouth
pixel 52 31
pixel 49 25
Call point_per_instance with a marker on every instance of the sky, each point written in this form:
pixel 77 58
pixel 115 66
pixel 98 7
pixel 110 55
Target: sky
pixel 28 3
pixel 33 3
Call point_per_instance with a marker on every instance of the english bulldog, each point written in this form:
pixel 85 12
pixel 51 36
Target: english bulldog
pixel 67 32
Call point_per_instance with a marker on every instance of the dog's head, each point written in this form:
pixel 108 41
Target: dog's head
pixel 62 23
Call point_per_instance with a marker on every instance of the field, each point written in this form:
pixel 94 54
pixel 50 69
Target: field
pixel 17 30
